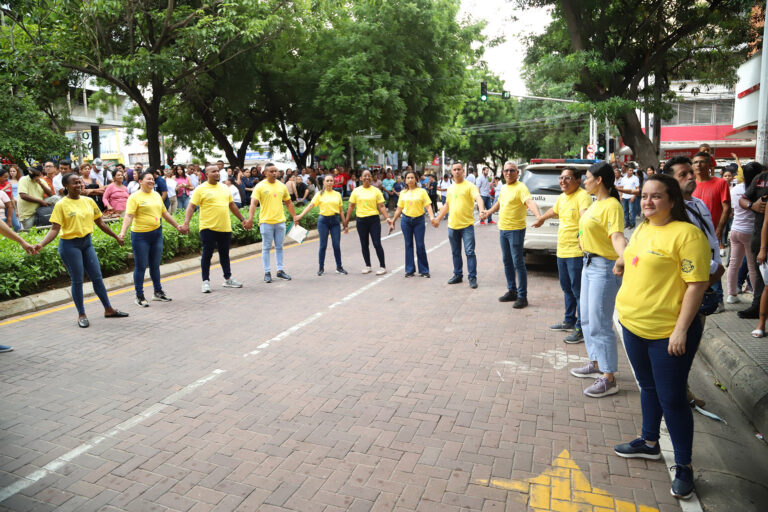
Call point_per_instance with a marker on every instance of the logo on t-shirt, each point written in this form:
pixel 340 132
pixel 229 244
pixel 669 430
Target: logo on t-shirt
pixel 687 266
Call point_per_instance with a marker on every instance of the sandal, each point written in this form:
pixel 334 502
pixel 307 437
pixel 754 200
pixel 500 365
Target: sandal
pixel 758 333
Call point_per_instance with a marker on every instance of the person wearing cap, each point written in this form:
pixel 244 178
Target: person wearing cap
pixel 100 175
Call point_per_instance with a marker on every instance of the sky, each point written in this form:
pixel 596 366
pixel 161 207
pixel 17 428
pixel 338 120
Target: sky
pixel 506 60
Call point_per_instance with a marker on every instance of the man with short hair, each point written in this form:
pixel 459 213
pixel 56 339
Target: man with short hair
pixel 100 175
pixel 65 167
pixel 460 201
pixel 32 192
pixel 271 194
pixel 161 187
pixel 215 202
pixel 484 187
pixel 629 186
pixel 471 176
pixel 50 171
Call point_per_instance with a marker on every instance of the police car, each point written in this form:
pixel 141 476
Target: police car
pixel 541 178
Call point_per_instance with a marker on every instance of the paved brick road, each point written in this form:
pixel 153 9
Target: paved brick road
pixel 317 394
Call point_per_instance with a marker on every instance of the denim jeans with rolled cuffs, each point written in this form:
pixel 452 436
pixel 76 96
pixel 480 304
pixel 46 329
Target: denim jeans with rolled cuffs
pixel 413 229
pixel 512 241
pixel 272 233
pixel 329 225
pixel 569 271
pixel 79 257
pixel 466 236
pixel 147 253
pixel 215 240
pixel 663 383
pixel 599 287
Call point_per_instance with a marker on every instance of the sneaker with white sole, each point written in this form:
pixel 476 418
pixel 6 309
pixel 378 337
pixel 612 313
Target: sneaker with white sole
pixel 682 485
pixel 602 387
pixel 638 449
pixel 381 271
pixel 561 326
pixel 161 296
pixel 366 270
pixel 206 287
pixel 733 299
pixel 141 301
pixel 720 308
pixel 231 283
pixel 575 337
pixel 588 371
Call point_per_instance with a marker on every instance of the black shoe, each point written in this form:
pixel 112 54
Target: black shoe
pixel 267 277
pixel 161 296
pixel 520 303
pixel 282 275
pixel 750 312
pixel 83 322
pixel 142 301
pixel 682 485
pixel 455 279
pixel 321 271
pixel 473 282
pixel 425 274
pixel 638 449
pixel 410 274
pixel 340 270
pixel 510 296
pixel 116 314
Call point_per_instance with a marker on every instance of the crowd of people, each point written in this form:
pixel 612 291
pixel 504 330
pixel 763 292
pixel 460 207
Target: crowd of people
pixel 662 282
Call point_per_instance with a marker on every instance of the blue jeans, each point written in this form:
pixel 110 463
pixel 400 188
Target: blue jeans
pixel 663 380
pixel 147 252
pixel 629 213
pixel 272 233
pixel 79 257
pixel 13 221
pixel 487 202
pixel 514 262
pixel 182 201
pixel 413 228
pixel 329 225
pixel 599 287
pixel 467 236
pixel 569 271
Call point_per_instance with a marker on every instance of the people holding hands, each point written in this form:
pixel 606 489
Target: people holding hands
pixel 329 221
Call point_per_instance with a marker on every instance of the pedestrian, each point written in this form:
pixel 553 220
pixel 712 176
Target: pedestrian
pixel 143 213
pixel 271 195
pixel 569 207
pixel 215 203
pixel 9 214
pixel 411 204
pixel 755 199
pixel 170 185
pixel 33 189
pixel 601 236
pixel 133 181
pixel 183 187
pixel 629 186
pixel 116 194
pixel 73 218
pixel 460 203
pixel 329 222
pixel 367 201
pixel 741 233
pixel 484 187
pixel 13 173
pixel 515 198
pixel 235 191
pixel 666 269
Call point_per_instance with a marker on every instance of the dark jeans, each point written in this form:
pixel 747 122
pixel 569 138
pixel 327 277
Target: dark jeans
pixel 663 383
pixel 743 274
pixel 758 285
pixel 514 262
pixel 366 226
pixel 569 271
pixel 79 257
pixel 413 228
pixel 147 252
pixel 215 240
pixel 467 236
pixel 329 225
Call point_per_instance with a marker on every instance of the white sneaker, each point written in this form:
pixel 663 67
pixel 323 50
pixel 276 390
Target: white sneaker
pixel 366 270
pixel 720 308
pixel 381 271
pixel 206 287
pixel 722 252
pixel 231 283
pixel 732 299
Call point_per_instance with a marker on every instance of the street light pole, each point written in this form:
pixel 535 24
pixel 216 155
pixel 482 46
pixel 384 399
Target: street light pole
pixel 761 152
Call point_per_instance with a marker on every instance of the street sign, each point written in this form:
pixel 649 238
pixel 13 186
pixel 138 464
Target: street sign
pixel 591 154
pixel 591 148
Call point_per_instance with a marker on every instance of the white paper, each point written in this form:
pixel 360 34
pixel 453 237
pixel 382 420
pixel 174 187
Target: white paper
pixel 297 233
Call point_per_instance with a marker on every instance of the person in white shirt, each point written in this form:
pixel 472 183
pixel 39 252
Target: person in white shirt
pixel 170 182
pixel 235 191
pixel 471 177
pixel 629 186
pixel 741 235
pixel 484 186
pixel 101 176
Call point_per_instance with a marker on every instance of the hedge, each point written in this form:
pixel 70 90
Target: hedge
pixel 22 274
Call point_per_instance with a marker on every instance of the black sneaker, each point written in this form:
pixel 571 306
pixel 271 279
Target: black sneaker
pixel 282 275
pixel 575 337
pixel 267 277
pixel 340 270
pixel 638 449
pixel 562 326
pixel 321 271
pixel 424 274
pixel 750 312
pixel 161 296
pixel 473 282
pixel 682 485
pixel 141 301
pixel 520 303
pixel 510 296
pixel 410 274
pixel 456 279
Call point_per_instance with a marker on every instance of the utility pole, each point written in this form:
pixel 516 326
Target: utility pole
pixel 608 140
pixel 761 152
pixel 351 153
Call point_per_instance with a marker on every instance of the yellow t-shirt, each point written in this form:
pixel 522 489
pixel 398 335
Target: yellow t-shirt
pixel 75 216
pixel 658 262
pixel 271 197
pixel 413 202
pixel 330 203
pixel 568 209
pixel 512 209
pixel 599 222
pixel 31 188
pixel 366 201
pixel 460 198
pixel 213 201
pixel 147 210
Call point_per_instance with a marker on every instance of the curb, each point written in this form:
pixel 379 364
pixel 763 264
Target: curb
pixel 746 382
pixel 43 300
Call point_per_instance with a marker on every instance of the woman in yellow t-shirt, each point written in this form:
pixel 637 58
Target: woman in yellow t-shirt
pixel 411 203
pixel 601 237
pixel 666 272
pixel 328 222
pixel 73 218
pixel 369 201
pixel 143 212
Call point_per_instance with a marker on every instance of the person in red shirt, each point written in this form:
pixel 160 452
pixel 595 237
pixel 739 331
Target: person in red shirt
pixel 715 192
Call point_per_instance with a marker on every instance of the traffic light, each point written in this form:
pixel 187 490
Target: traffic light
pixel 611 146
pixel 600 154
pixel 483 91
pixel 505 95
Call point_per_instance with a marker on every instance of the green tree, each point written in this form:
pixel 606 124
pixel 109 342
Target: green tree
pixel 26 133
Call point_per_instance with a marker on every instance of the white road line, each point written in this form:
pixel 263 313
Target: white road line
pixel 693 504
pixel 59 462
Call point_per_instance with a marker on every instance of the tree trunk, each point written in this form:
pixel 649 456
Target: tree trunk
pixel 152 128
pixel 632 132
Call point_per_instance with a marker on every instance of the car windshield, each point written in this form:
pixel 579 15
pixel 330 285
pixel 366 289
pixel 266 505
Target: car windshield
pixel 542 181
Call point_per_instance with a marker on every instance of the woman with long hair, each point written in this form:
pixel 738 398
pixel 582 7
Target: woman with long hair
pixel 183 187
pixel 369 201
pixel 666 269
pixel 73 218
pixel 411 203
pixel 601 237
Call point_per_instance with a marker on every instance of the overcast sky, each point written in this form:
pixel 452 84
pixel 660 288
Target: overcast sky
pixel 506 60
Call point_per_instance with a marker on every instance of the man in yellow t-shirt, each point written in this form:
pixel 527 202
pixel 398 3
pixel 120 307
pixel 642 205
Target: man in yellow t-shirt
pixel 460 201
pixel 271 195
pixel 569 208
pixel 215 202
